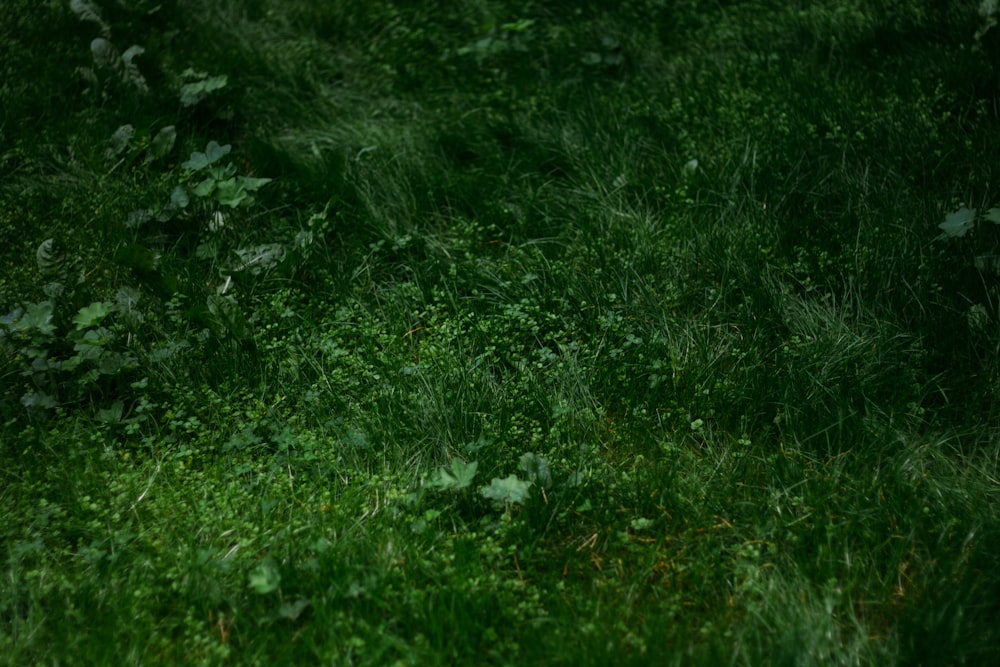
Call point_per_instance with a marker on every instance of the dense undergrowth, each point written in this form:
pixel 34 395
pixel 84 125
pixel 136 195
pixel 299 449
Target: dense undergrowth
pixel 378 333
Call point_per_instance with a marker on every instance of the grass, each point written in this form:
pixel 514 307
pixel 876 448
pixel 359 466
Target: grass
pixel 668 274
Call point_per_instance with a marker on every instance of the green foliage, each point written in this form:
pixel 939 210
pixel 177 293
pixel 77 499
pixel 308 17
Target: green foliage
pixel 594 333
pixel 509 490
pixel 219 182
pixel 455 477
pixel 199 85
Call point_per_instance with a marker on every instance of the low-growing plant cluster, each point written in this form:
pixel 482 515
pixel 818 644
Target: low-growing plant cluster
pixel 504 333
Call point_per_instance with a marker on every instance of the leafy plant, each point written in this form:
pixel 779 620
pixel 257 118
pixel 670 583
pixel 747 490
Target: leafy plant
pixel 457 476
pixel 498 40
pixel 510 490
pixel 65 366
pixel 105 54
pixel 219 182
pixel 199 85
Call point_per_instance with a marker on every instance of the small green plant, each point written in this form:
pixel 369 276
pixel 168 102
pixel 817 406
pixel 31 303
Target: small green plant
pixel 457 476
pixel 219 183
pixel 64 363
pixel 959 223
pixel 199 85
pixel 499 40
pixel 106 55
pixel 961 226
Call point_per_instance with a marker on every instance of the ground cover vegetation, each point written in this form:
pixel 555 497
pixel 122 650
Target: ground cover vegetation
pixel 503 332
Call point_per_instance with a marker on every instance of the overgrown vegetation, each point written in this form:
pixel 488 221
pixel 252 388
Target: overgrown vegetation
pixel 644 332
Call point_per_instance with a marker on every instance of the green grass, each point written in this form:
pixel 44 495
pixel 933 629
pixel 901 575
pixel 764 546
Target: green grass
pixel 672 267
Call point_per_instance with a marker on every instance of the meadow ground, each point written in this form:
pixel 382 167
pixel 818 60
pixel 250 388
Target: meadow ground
pixel 636 332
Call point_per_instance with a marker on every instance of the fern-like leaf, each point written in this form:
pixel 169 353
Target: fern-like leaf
pixel 52 261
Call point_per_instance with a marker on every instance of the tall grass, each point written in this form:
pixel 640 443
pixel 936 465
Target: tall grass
pixel 673 265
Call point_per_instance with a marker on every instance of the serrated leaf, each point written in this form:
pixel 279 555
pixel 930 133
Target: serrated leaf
pixel 536 469
pixel 37 316
pixel 230 193
pixel 508 490
pixel 94 338
pixel 457 476
pixel 91 315
pixel 264 579
pixel 957 224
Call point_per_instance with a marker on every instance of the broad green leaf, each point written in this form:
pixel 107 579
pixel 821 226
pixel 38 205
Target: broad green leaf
pixel 38 316
pixel 455 477
pixel 264 579
pixel 92 314
pixel 509 490
pixel 179 197
pixel 213 153
pixel 196 91
pixel 230 193
pixel 113 363
pixel 38 400
pixel 252 184
pixel 92 341
pixel 111 415
pixel 993 215
pixel 536 469
pixel 957 224
pixel 205 188
pixel 221 172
